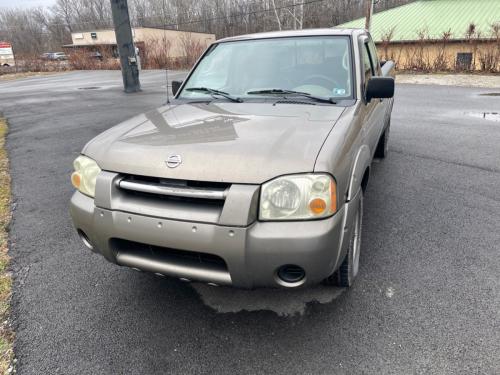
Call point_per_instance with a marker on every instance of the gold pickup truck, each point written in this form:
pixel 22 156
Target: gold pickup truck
pixel 254 174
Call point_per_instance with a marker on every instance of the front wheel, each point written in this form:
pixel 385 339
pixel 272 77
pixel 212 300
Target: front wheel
pixel 348 270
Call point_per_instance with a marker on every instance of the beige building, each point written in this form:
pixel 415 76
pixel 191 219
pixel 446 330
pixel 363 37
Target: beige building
pixel 439 35
pixel 481 54
pixel 152 42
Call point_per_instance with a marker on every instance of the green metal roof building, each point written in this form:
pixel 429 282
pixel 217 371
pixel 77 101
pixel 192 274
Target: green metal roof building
pixel 436 35
pixel 434 17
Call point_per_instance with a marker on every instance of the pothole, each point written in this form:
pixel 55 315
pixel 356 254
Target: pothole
pixel 490 116
pixel 89 88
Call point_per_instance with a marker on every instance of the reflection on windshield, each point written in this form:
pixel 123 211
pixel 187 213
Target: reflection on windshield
pixel 318 66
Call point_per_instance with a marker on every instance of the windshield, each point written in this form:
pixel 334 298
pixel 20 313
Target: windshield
pixel 318 66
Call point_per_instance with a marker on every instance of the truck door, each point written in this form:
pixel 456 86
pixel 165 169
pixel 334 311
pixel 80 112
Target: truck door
pixel 375 114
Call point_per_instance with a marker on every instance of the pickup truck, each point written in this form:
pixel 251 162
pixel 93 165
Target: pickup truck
pixel 254 174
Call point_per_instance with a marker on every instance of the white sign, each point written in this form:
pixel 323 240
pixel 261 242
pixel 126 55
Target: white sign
pixel 5 48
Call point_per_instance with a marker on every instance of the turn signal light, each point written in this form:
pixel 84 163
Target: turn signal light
pixel 317 206
pixel 333 195
pixel 76 179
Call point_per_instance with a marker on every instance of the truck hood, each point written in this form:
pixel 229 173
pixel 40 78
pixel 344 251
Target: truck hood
pixel 219 141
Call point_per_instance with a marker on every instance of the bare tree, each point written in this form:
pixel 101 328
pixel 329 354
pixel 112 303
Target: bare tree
pixel 276 15
pixel 38 29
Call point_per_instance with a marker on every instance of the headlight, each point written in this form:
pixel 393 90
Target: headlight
pixel 298 197
pixel 85 175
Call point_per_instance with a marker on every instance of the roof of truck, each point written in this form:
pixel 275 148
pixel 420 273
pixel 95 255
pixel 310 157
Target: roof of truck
pixel 292 33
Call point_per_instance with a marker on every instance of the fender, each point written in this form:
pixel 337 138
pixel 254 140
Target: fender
pixel 361 162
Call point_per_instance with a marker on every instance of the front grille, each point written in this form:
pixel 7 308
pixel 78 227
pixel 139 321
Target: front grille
pixel 181 200
pixel 169 199
pixel 175 190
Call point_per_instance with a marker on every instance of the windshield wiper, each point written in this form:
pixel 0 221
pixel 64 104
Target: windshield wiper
pixel 285 93
pixel 215 92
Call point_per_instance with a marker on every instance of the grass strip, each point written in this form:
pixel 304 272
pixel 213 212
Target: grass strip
pixel 6 333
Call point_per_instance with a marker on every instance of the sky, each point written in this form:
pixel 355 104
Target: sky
pixel 25 3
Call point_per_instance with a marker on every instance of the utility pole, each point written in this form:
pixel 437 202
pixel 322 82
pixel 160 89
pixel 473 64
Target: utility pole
pixel 369 14
pixel 126 48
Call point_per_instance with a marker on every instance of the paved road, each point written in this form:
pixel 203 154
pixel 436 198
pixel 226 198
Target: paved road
pixel 427 299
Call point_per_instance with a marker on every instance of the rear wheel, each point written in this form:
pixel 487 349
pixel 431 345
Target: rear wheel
pixel 349 268
pixel 383 143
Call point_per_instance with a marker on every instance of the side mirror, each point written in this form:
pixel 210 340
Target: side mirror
pixel 379 88
pixel 176 85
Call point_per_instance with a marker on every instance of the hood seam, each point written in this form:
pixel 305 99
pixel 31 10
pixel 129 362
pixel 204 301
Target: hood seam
pixel 324 141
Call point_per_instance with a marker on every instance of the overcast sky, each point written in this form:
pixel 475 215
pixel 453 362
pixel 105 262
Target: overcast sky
pixel 25 3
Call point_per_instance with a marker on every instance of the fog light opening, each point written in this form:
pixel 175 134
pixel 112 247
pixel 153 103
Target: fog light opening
pixel 85 239
pixel 291 275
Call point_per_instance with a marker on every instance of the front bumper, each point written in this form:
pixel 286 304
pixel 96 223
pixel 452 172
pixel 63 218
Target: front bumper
pixel 252 254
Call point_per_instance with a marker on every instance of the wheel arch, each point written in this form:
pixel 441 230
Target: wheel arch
pixel 360 172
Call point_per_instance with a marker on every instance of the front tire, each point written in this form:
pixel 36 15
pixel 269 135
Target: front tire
pixel 348 270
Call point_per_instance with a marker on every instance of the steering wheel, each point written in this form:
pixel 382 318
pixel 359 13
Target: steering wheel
pixel 320 79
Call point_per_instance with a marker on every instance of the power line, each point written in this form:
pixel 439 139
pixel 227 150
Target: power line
pixel 246 14
pixel 172 25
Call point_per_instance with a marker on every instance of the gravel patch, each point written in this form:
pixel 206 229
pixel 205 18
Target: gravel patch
pixel 464 80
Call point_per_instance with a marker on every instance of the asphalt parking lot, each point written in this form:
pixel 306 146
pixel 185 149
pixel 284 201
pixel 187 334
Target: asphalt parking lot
pixel 426 301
